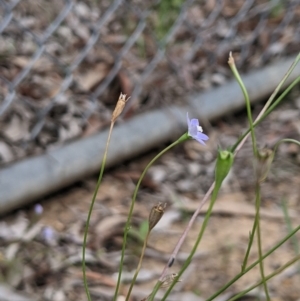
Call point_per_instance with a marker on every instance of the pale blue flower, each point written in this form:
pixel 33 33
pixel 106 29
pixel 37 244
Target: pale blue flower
pixel 195 131
pixel 49 235
pixel 38 209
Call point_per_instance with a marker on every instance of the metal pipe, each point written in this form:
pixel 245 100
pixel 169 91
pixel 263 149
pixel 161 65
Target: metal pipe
pixel 34 178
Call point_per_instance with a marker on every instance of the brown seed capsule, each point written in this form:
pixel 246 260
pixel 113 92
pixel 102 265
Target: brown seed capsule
pixel 119 107
pixel 168 280
pixel 155 215
pixel 263 163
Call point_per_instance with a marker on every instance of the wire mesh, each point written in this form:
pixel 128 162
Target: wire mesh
pixel 63 63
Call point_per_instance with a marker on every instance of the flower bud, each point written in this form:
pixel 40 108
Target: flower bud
pixel 262 163
pixel 119 107
pixel 224 164
pixel 155 215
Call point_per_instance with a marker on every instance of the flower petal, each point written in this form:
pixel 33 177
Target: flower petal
pixel 194 122
pixel 202 136
pixel 193 131
pixel 188 119
pixel 199 140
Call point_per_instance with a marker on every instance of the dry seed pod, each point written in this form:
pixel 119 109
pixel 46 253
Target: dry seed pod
pixel 168 280
pixel 263 163
pixel 155 215
pixel 119 107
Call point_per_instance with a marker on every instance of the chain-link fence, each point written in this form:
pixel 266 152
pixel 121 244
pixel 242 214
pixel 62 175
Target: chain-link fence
pixel 63 63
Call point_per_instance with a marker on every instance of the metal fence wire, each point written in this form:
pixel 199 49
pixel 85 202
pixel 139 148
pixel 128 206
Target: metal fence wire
pixel 63 63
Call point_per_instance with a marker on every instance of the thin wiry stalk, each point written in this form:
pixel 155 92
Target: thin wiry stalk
pixel 276 272
pixel 139 266
pixel 259 244
pixel 238 276
pixel 127 226
pixel 90 213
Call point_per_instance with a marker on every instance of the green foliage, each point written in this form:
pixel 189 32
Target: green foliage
pixel 278 8
pixel 167 13
pixel 224 163
pixel 223 166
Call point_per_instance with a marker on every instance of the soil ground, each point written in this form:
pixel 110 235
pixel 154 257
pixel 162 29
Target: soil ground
pixel 40 255
pixel 47 265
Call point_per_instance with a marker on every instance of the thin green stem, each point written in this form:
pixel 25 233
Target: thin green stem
pixel 90 214
pixel 285 140
pixel 155 290
pixel 246 96
pixel 239 275
pixel 223 166
pixel 139 266
pixel 288 73
pixel 269 109
pixel 281 97
pixel 127 226
pixel 284 206
pixel 276 272
pixel 200 235
pixel 288 222
pixel 259 244
pixel 251 237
